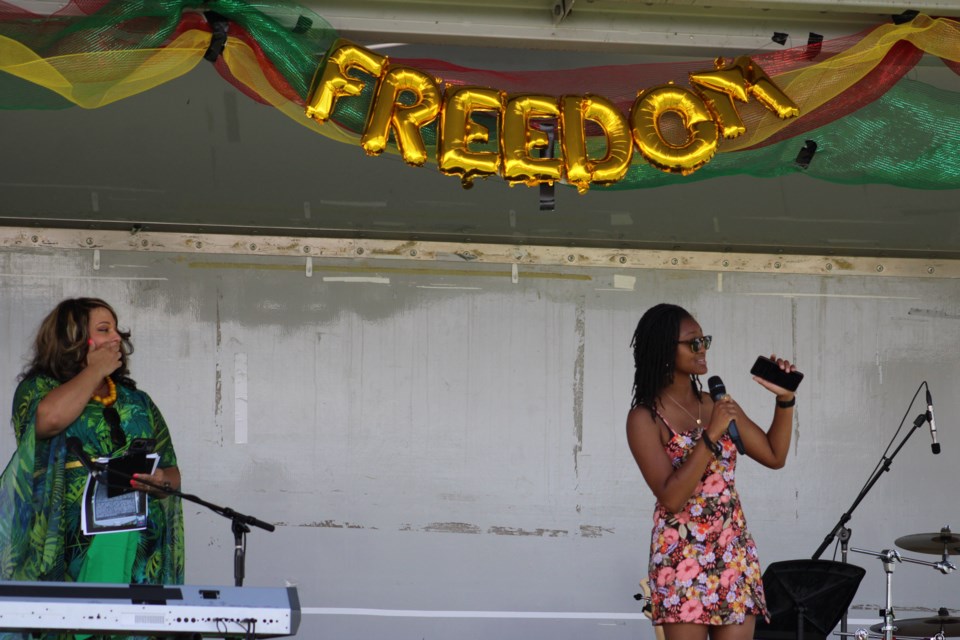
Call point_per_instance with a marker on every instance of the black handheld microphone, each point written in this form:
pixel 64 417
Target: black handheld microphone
pixel 75 447
pixel 717 391
pixel 935 447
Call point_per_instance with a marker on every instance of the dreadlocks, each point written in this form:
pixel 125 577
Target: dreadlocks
pixel 654 353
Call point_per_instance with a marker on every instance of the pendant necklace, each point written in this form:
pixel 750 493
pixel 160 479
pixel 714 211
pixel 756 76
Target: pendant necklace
pixel 699 409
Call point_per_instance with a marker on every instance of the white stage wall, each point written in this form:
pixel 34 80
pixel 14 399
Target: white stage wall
pixel 442 449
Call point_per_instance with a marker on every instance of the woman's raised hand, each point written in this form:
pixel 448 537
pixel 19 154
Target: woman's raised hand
pixel 104 358
pixel 785 365
pixel 724 410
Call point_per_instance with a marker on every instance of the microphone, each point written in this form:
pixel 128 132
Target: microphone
pixel 717 391
pixel 935 447
pixel 75 447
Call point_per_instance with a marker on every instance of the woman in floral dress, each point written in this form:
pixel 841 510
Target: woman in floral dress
pixel 704 570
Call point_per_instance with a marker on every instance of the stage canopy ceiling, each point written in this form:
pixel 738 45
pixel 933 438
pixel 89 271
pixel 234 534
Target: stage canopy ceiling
pixel 197 155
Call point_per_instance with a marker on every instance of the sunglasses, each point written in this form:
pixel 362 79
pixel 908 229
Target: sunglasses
pixel 698 344
pixel 112 417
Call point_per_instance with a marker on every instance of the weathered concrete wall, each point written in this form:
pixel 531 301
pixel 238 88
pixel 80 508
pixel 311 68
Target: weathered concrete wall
pixel 439 441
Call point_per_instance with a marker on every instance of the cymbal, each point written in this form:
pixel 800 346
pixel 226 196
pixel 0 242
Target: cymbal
pixel 924 627
pixel 942 542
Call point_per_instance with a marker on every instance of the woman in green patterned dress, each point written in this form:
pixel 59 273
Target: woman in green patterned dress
pixel 77 386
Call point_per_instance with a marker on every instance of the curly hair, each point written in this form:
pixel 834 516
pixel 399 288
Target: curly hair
pixel 61 346
pixel 654 346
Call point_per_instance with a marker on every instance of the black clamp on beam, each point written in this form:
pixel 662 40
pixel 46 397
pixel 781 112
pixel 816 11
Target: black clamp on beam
pixel 219 27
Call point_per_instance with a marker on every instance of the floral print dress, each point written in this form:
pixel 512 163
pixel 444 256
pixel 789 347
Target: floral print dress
pixel 703 562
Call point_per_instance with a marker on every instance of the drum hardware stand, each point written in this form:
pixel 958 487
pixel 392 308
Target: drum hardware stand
pixel 863 634
pixel 945 532
pixel 888 557
pixel 840 529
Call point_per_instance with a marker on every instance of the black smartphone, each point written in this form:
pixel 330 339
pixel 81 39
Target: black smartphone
pixel 771 372
pixel 142 445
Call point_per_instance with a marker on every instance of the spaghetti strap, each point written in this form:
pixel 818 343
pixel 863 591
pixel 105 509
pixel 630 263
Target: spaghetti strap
pixel 673 433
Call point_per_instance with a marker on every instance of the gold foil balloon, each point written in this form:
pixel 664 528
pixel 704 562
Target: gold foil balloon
pixel 720 88
pixel 674 128
pixel 331 81
pixel 389 113
pixel 458 130
pixel 519 138
pixel 581 170
pixel 765 91
pixel 696 125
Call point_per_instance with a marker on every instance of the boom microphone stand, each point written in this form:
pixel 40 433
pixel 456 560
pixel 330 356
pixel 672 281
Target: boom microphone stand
pixel 240 523
pixel 841 530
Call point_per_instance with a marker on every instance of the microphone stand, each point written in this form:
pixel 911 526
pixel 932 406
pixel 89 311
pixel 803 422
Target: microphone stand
pixel 240 523
pixel 841 530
